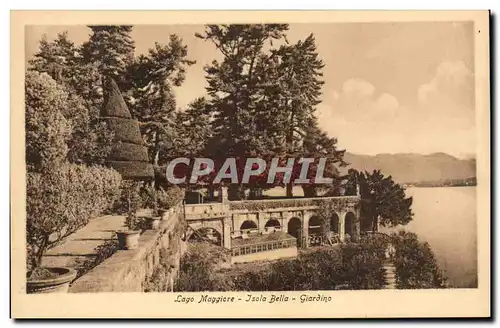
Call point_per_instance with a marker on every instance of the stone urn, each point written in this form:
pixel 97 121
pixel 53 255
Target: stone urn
pixel 163 213
pixel 128 239
pixel 57 280
pixel 154 222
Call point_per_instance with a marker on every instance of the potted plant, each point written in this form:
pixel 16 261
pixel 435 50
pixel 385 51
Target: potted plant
pixel 55 210
pixel 129 239
pixel 153 222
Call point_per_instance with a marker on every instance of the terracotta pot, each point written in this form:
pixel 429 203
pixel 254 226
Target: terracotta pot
pixel 58 284
pixel 153 223
pixel 163 214
pixel 128 239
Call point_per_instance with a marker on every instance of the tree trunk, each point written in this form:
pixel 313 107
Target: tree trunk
pixel 375 224
pixel 211 192
pixel 309 191
pixel 236 192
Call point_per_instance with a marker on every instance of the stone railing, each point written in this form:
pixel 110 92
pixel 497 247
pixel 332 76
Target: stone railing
pixel 267 204
pixel 128 270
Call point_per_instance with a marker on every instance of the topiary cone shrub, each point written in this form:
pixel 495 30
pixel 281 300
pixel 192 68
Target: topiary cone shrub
pixel 129 155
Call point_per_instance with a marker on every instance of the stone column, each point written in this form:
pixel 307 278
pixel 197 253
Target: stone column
pixel 357 228
pixel 285 217
pixel 342 226
pixel 261 221
pixel 223 195
pixel 305 229
pixel 226 231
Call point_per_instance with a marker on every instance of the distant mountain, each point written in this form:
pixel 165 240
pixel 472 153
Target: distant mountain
pixel 412 168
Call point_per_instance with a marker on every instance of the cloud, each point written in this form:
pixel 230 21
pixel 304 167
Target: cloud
pixel 357 101
pixel 366 120
pixel 357 87
pixel 453 81
pixel 449 95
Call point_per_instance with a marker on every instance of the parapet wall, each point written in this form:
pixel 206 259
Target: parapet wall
pixel 128 270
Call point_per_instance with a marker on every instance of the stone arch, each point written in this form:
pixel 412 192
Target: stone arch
pixel 350 224
pixel 314 225
pixel 248 224
pixel 273 223
pixel 210 234
pixel 295 227
pixel 335 223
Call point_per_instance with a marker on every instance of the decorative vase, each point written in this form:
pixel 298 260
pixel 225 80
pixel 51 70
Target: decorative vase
pixel 59 283
pixel 128 239
pixel 153 223
pixel 163 213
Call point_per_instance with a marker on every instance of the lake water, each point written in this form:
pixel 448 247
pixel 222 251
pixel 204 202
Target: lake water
pixel 446 219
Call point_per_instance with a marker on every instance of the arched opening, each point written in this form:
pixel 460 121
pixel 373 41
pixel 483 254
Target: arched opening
pixel 248 225
pixel 207 234
pixel 314 226
pixel 272 224
pixel 295 227
pixel 335 223
pixel 350 227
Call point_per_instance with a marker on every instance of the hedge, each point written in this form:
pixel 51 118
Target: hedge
pixel 114 104
pixel 125 130
pixel 124 151
pixel 63 200
pixel 133 170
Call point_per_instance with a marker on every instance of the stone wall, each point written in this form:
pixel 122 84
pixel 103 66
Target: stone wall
pixel 128 270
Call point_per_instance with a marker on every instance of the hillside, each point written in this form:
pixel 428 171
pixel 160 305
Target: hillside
pixel 406 168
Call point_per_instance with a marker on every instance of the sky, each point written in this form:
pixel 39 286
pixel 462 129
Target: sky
pixel 389 87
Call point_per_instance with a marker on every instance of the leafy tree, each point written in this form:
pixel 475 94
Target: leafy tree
pixel 111 47
pixel 235 88
pixel 193 129
pixel 317 144
pixel 47 130
pixel 383 201
pixel 61 60
pixel 416 265
pixel 151 96
pixel 56 58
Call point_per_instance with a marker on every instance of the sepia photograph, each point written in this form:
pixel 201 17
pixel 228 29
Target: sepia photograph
pixel 253 163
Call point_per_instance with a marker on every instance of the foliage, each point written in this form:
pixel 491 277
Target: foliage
pixel 103 252
pixel 111 47
pixel 63 200
pixel 151 80
pixel 198 269
pixel 129 200
pixel 416 265
pixel 326 268
pixel 47 130
pixel 170 197
pixel 383 201
pixel 134 223
pixel 59 59
pixel 298 202
pixel 136 165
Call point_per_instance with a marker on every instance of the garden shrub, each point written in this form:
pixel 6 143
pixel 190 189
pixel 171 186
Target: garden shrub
pixel 125 130
pixel 63 200
pixel 170 197
pixel 326 268
pixel 132 162
pixel 47 130
pixel 125 151
pixel 416 265
pixel 137 170
pixel 129 199
pixel 198 270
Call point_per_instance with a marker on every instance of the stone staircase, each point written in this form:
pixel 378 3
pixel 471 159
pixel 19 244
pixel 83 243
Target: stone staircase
pixel 390 275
